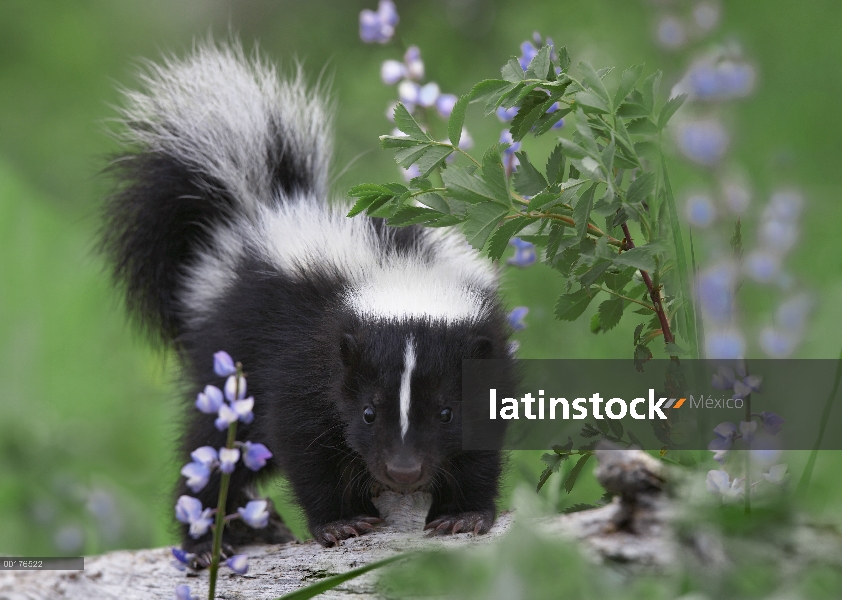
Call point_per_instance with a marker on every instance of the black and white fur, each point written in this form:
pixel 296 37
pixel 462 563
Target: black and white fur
pixel 221 235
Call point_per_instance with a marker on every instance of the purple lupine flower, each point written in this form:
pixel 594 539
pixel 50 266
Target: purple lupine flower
pixel 428 94
pixel 445 104
pixel 255 514
pixel 747 430
pixel 209 400
pixel 792 314
pixel 527 53
pixel 182 592
pixel 255 455
pixel 388 12
pixel 670 33
pixel 762 265
pixel 206 455
pixel 188 510
pixel 703 141
pixel 414 64
pixel 238 563
pixel 507 114
pixel 235 388
pixel 197 475
pixel 715 287
pixel 524 253
pixel 408 94
pixel 724 378
pixel 506 138
pixel 777 475
pixel 737 197
pixel 725 433
pixel 776 343
pixel 223 364
pixel 745 386
pixel 228 458
pixel 182 558
pixel 516 318
pixel 392 71
pixel 225 418
pixel 720 483
pixel 700 210
pixel 243 408
pixel 379 26
pixel 706 15
pixel 772 422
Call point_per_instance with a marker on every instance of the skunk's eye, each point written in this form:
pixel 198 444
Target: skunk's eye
pixel 446 415
pixel 368 415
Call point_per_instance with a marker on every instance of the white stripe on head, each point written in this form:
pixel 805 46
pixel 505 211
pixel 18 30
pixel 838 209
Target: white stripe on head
pixel 406 378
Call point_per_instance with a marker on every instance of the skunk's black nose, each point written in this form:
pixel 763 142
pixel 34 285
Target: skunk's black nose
pixel 404 473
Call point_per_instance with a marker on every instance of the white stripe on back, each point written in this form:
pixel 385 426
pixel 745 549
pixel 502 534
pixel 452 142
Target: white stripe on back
pixel 406 378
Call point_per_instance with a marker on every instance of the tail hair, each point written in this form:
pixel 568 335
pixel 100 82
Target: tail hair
pixel 208 140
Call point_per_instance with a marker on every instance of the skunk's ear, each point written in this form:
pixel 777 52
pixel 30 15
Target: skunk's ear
pixel 480 347
pixel 349 350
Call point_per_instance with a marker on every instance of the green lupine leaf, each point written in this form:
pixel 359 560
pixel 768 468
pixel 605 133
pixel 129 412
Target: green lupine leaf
pixel 555 165
pixel 494 175
pixel 547 120
pixel 398 141
pixel 482 220
pixel 435 202
pixel 642 126
pixel 592 275
pixel 463 185
pixel 582 211
pixel 563 59
pixel 501 236
pixel 575 472
pixel 407 156
pixel 630 77
pixel 640 188
pixel 512 71
pixel 592 101
pixel 572 150
pixel 540 64
pixel 649 91
pixel 571 306
pixel 432 158
pixel 413 215
pixel 530 111
pixel 363 203
pixel 639 258
pixel 406 123
pixel 457 119
pixel 528 181
pixel 584 129
pixel 669 109
pixel 371 189
pixel 629 110
pixel 490 89
pixel 610 312
pixel 594 81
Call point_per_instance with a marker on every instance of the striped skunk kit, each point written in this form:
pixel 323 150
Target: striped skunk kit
pixel 223 235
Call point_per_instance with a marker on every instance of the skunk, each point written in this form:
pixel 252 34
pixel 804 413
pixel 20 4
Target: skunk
pixel 221 237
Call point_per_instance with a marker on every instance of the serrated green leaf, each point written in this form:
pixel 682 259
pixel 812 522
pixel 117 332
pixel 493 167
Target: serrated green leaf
pixel 539 66
pixel 572 150
pixel 608 156
pixel 398 141
pixel 515 99
pixel 547 120
pixel 594 81
pixel 369 189
pixel 413 215
pixel 610 312
pixel 649 91
pixel 570 307
pixel 674 349
pixel 563 59
pixel 648 150
pixel 446 221
pixel 640 188
pixel 488 89
pixel 530 111
pixel 582 211
pixel 494 175
pixel 407 156
pixel 406 123
pixel 629 78
pixel 637 331
pixel 432 158
pixel 501 236
pixel 639 258
pixel 482 220
pixel 593 275
pixel 642 126
pixel 575 472
pixel 584 129
pixel 435 202
pixel 361 204
pixel 512 71
pixel 592 101
pixel 617 280
pixel 642 354
pixel 379 203
pixel 668 110
pixel 463 185
pixel 457 119
pixel 555 165
pixel 628 110
pixel 528 181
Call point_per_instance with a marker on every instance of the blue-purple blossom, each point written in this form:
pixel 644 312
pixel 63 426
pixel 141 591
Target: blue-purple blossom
pixel 255 455
pixel 776 343
pixel 392 71
pixel 777 475
pixel 745 386
pixel 414 64
pixel 428 94
pixel 188 510
pixel 725 433
pixel 507 114
pixel 182 558
pixel 700 210
pixel 225 418
pixel 737 197
pixel 238 563
pixel 516 318
pixel 209 400
pixel 506 138
pixel 741 384
pixel 182 592
pixel 771 422
pixel 243 409
pixel 715 288
pixel 725 344
pixel 206 455
pixel 524 253
pixel 408 94
pixel 527 53
pixel 706 15
pixel 255 514
pixel 228 458
pixel 703 141
pixel 379 26
pixel 235 388
pixel 721 484
pixel 670 33
pixel 762 266
pixel 197 475
pixel 445 104
pixel 223 364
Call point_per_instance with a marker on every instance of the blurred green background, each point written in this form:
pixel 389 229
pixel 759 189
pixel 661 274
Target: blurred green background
pixel 88 409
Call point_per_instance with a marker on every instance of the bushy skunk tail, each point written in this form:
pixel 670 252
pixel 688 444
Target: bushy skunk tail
pixel 207 141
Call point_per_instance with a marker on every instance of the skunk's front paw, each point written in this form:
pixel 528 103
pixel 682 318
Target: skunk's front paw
pixel 329 534
pixel 478 522
pixel 201 553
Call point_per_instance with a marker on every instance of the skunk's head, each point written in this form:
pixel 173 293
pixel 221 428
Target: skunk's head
pixel 401 393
